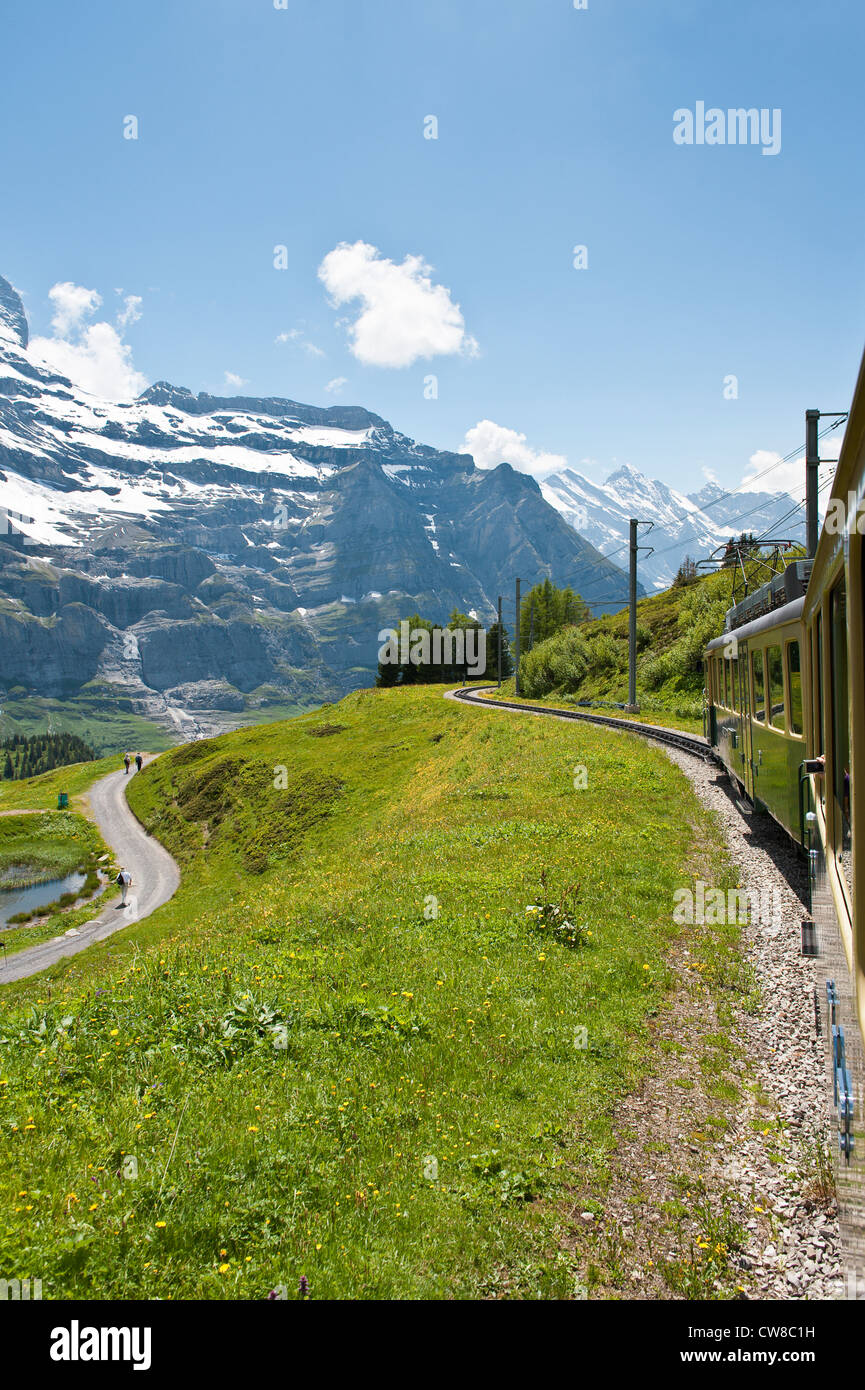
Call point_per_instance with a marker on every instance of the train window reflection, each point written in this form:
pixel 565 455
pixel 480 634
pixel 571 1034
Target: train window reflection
pixel 840 730
pixel 795 684
pixel 819 737
pixel 775 687
pixel 758 684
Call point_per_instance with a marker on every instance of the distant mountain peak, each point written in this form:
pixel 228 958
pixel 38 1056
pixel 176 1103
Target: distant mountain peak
pixel 163 393
pixel 684 525
pixel 626 470
pixel 710 492
pixel 344 417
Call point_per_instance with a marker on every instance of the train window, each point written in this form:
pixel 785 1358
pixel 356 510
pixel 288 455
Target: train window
pixel 758 686
pixel 775 687
pixel 840 730
pixel 725 666
pixel 794 675
pixel 734 685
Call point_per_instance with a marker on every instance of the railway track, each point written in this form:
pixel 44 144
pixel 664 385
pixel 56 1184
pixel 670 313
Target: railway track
pixel 689 743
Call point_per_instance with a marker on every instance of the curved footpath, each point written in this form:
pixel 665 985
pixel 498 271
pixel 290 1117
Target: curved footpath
pixel 155 879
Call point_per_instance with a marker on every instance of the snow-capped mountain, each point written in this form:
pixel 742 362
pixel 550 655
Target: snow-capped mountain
pixel 201 553
pixel 692 524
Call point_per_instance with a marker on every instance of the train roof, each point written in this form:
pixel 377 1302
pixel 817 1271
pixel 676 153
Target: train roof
pixel 790 613
pixel 784 588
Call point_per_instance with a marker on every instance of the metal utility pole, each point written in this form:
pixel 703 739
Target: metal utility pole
pixel 517 673
pixel 500 642
pixel 632 619
pixel 632 705
pixel 812 469
pixel 531 624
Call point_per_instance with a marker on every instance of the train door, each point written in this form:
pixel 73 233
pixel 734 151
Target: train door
pixel 745 742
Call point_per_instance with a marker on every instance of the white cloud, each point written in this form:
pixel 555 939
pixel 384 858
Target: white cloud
pixel 72 304
pixel 295 335
pixel 336 385
pixel 491 444
pixel 232 379
pixel 93 355
pixel 789 477
pixel 404 316
pixel 131 311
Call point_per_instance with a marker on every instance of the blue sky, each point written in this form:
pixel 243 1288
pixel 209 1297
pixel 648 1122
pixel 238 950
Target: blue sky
pixel 303 127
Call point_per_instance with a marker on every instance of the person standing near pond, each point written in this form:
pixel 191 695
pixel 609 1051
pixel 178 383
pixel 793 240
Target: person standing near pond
pixel 126 761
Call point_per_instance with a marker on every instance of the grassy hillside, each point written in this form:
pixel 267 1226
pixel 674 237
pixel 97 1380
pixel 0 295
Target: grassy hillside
pixel 345 1050
pixel 590 662
pixel 40 793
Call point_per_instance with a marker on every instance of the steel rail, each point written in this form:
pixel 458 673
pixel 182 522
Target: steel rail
pixel 689 743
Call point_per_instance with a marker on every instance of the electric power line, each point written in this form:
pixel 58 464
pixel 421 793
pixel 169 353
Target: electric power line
pixel 741 516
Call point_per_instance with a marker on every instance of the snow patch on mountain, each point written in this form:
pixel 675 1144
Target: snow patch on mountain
pixel 683 524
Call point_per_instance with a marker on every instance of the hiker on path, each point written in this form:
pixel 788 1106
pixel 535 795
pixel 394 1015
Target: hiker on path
pixel 124 878
pixel 139 761
pixel 126 761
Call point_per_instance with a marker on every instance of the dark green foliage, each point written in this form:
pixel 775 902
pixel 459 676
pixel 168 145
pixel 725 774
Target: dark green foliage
pixel 686 573
pixel 259 812
pixel 557 921
pixel 28 757
pixel 290 813
pixel 672 630
pixel 207 796
pixel 416 671
pixel 545 610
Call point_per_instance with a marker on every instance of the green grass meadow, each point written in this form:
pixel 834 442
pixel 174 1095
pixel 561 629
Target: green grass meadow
pixel 344 1050
pixel 41 793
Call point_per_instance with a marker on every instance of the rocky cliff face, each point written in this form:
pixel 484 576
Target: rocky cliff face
pixel 193 549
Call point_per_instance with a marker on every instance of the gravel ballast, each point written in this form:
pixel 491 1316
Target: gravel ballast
pixel 802 1257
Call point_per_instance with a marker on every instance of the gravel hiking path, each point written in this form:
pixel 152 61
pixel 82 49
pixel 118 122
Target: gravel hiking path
pixel 155 879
